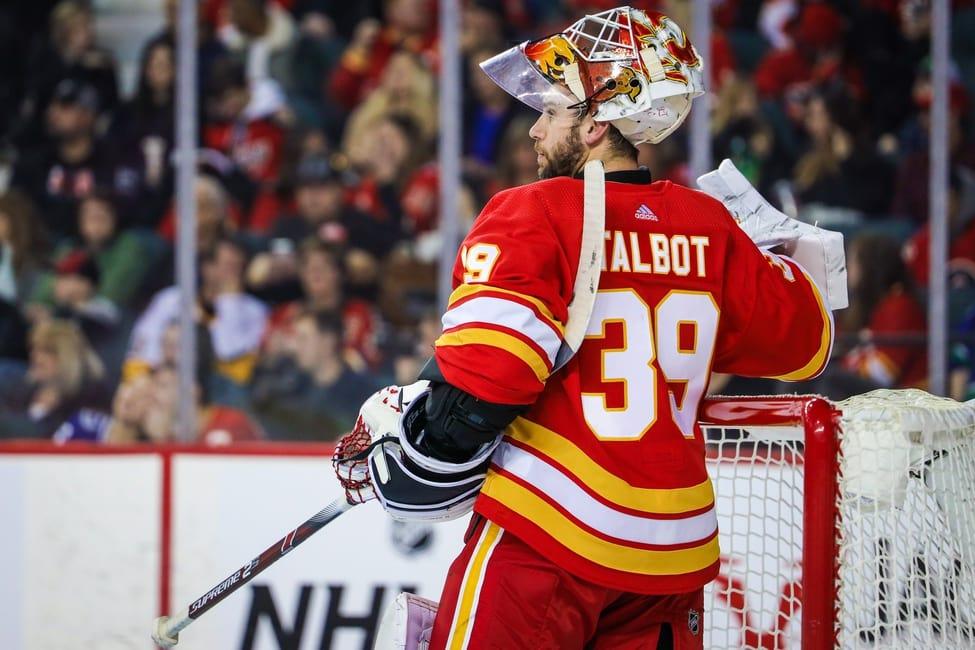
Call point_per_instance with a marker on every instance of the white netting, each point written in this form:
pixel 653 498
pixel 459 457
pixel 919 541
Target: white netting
pixel 757 479
pixel 906 536
pixel 907 511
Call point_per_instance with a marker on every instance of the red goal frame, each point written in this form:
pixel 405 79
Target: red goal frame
pixel 819 420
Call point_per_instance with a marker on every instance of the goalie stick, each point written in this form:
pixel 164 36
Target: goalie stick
pixel 166 629
pixel 590 261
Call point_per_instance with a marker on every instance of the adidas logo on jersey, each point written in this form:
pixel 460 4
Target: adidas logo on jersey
pixel 643 212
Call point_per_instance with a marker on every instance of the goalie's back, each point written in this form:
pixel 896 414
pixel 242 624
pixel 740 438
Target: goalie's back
pixel 605 473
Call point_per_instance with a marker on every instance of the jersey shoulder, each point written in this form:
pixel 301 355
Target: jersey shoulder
pixel 556 201
pixel 695 202
pixel 560 187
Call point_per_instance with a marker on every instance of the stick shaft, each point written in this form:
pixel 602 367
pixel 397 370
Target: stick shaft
pixel 246 573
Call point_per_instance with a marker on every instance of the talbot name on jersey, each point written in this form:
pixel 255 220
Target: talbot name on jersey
pixel 655 253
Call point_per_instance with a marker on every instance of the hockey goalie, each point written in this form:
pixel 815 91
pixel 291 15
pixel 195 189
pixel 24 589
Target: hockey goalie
pixel 589 310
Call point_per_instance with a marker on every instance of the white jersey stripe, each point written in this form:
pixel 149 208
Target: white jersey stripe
pixel 507 313
pixel 469 594
pixel 495 531
pixel 596 514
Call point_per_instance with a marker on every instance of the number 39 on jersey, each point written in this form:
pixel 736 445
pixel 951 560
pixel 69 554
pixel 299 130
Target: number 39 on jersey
pixel 630 346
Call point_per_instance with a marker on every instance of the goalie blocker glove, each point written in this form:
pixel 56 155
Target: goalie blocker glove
pixel 421 450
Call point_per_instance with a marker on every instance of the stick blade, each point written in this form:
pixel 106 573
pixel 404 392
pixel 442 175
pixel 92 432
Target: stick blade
pixel 160 633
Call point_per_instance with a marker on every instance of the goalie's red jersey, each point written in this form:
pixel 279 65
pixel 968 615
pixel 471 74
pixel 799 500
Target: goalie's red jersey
pixel 605 473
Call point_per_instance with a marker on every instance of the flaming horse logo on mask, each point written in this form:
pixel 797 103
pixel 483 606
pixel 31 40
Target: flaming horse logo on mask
pixel 624 83
pixel 551 55
pixel 658 28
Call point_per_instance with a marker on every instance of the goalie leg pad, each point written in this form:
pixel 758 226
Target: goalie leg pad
pixel 407 624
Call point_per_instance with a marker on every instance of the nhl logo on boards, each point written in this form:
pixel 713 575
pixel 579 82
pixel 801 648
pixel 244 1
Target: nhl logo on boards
pixel 693 621
pixel 645 213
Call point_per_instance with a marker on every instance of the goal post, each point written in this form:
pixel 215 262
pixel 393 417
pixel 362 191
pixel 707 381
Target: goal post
pixel 846 525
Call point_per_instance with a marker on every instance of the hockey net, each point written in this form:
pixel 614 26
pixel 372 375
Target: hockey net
pixel 849 525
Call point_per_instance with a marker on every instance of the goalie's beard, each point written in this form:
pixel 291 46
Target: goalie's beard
pixel 567 158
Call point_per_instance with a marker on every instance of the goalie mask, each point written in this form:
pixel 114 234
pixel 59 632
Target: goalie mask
pixel 634 69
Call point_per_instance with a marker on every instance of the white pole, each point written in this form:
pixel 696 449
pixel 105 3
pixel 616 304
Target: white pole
pixel 449 144
pixel 700 135
pixel 938 201
pixel 186 212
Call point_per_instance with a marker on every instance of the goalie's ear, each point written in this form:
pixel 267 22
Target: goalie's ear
pixel 592 131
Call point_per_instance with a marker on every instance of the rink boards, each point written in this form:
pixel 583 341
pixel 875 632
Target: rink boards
pixel 97 543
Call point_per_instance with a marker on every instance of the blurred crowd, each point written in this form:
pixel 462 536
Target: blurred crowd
pixel 317 197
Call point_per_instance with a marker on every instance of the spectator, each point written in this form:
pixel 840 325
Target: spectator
pixel 887 61
pixel 247 125
pixel 215 219
pixel 911 197
pixel 961 232
pixel 19 247
pixel 148 119
pixel 342 16
pixel 517 158
pixel 317 51
pixel 488 113
pixel 322 214
pixel 71 53
pixel 409 26
pixel 322 211
pixel 235 320
pixel 59 175
pixel 396 149
pixel 883 305
pixel 740 132
pixel 406 88
pixel 263 34
pixel 840 169
pixel 311 394
pixel 120 257
pixel 74 297
pixel 813 53
pixel 238 319
pixel 416 348
pixel 209 49
pixel 482 27
pixel 146 410
pixel 320 274
pixel 64 376
pixel 420 203
pixel 214 214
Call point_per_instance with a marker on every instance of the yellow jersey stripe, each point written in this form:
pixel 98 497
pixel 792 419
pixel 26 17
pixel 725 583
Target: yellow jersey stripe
pixel 818 361
pixel 604 483
pixel 501 340
pixel 595 549
pixel 506 313
pixel 470 588
pixel 465 290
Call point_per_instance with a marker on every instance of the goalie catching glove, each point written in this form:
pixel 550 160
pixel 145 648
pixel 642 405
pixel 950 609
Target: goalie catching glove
pixel 817 250
pixel 386 457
